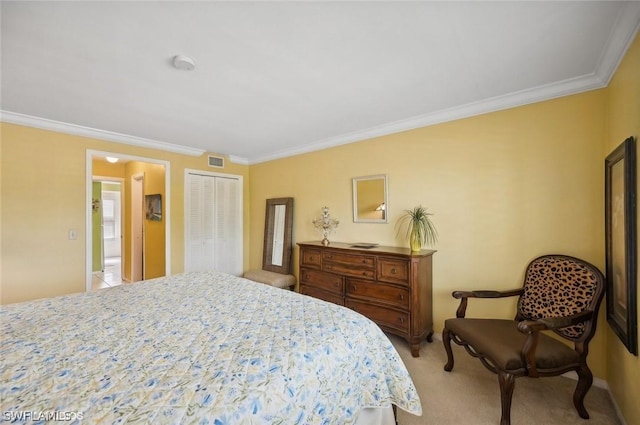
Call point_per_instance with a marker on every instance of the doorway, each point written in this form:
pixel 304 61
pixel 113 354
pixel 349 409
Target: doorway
pixel 107 216
pixel 130 165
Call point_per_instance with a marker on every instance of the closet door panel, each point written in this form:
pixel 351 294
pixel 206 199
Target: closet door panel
pixel 208 223
pixel 193 221
pixel 213 228
pixel 228 227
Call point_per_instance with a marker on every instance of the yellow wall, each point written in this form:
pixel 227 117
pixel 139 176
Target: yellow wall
pixel 623 120
pixel 503 187
pixel 43 175
pixel 107 169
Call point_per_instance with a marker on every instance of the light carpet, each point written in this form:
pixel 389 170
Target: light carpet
pixel 470 394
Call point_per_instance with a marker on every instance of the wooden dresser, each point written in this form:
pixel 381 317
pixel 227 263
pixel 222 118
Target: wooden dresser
pixel 389 285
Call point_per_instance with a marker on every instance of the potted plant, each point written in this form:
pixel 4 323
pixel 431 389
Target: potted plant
pixel 419 227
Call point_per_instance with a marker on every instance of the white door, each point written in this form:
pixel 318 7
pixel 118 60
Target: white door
pixel 137 227
pixel 213 224
pixel 227 234
pixel 111 223
pixel 199 193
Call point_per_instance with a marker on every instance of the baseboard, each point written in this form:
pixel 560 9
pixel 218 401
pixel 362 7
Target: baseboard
pixel 597 382
pixel 601 383
pixel 618 411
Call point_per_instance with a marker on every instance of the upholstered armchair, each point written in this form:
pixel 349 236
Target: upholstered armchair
pixel 560 294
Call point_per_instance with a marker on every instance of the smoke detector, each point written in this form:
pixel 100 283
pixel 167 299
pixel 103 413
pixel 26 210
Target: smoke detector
pixel 184 63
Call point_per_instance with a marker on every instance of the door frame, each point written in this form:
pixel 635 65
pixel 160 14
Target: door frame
pixel 137 226
pixel 166 214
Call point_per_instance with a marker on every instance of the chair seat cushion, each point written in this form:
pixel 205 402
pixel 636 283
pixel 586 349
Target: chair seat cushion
pixel 502 342
pixel 271 278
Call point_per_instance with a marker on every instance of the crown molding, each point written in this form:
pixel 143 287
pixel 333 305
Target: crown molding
pixel 110 136
pixel 624 32
pixel 238 160
pixel 511 100
pixel 621 37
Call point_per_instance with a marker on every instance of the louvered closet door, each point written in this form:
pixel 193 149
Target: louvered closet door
pixel 227 240
pixel 213 231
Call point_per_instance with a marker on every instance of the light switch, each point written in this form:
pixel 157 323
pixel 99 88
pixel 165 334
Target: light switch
pixel 73 235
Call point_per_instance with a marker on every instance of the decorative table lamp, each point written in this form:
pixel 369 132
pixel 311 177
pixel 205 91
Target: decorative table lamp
pixel 325 224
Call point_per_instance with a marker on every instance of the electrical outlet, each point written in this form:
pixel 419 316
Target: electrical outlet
pixel 73 235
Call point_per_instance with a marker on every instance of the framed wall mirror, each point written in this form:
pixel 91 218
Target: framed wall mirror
pixel 370 203
pixel 278 225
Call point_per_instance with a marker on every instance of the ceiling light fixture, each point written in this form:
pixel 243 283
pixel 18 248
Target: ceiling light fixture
pixel 112 159
pixel 184 63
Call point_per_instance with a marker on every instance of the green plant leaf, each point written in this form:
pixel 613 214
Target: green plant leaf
pixel 418 218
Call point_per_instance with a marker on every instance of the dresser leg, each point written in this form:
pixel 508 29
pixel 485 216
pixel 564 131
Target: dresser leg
pixel 415 350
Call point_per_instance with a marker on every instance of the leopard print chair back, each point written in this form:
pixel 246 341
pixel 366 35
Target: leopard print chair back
pixel 560 285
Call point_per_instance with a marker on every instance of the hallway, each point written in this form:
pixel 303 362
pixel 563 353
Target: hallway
pixel 111 276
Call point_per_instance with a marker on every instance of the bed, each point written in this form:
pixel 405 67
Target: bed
pixel 201 348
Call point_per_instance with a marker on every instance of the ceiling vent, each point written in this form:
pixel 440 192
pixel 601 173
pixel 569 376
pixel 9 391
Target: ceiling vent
pixel 216 161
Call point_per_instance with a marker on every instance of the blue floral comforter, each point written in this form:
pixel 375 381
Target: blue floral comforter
pixel 199 348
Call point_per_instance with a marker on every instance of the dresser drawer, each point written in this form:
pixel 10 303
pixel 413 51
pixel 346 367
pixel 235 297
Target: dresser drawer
pixel 324 281
pixel 315 292
pixel 349 270
pixel 310 258
pixel 354 260
pixel 388 317
pixel 393 270
pixel 394 295
pixel 363 266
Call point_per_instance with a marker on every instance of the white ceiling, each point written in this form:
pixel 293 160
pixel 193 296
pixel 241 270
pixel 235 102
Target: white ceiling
pixel 275 79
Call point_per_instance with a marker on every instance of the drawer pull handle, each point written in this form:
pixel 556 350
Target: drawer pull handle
pixel 401 319
pixel 402 296
pixel 364 273
pixel 329 256
pixel 393 270
pixel 353 287
pixel 311 258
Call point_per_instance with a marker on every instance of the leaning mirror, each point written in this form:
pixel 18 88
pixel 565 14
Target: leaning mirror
pixel 276 255
pixel 370 199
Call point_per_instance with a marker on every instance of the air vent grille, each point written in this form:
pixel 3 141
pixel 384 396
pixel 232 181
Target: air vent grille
pixel 216 161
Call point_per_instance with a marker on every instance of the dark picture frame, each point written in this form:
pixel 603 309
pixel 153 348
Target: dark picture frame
pixel 153 205
pixel 620 232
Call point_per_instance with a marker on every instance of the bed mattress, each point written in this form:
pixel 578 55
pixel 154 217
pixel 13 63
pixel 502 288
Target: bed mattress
pixel 196 348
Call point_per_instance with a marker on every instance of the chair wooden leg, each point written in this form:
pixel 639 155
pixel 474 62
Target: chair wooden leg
pixel 507 384
pixel 585 380
pixel 446 340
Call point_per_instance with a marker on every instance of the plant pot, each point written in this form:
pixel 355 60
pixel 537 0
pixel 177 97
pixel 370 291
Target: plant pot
pixel 414 241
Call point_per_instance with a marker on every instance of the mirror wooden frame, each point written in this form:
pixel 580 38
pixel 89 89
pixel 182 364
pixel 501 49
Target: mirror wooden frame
pixel 384 204
pixel 270 237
